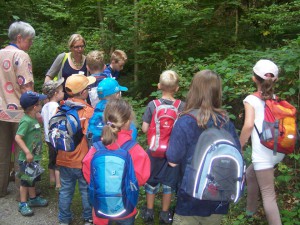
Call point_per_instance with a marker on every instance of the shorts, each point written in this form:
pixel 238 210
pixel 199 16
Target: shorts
pixel 26 183
pixel 153 190
pixel 52 156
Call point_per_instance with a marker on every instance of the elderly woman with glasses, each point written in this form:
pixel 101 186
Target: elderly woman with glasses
pixel 69 63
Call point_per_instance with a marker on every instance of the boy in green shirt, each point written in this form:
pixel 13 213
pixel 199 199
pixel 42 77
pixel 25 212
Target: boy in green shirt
pixel 29 138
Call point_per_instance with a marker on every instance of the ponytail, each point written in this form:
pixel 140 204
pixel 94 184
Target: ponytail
pixel 267 87
pixel 116 114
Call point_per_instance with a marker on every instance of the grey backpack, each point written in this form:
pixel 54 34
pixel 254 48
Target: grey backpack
pixel 216 171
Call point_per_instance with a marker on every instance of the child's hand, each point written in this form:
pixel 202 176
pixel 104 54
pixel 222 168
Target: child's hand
pixel 29 157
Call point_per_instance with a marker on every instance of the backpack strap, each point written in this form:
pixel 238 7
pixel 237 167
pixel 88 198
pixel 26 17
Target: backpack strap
pixel 62 65
pixel 156 103
pixel 176 103
pixel 193 113
pixel 98 145
pixel 128 145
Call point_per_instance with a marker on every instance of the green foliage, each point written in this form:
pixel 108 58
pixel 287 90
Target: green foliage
pixel 186 36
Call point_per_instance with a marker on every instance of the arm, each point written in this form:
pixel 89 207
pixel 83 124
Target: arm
pixel 177 148
pixel 172 164
pixel 55 67
pixel 248 124
pixel 21 143
pixel 145 127
pixel 147 117
pixel 47 78
pixel 141 163
pixel 86 164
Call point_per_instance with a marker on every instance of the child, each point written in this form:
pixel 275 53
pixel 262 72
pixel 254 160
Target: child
pixel 70 163
pixel 161 173
pixel 205 94
pixel 29 138
pixel 54 92
pixel 108 89
pixel 117 61
pixel 95 65
pixel 260 174
pixel 117 118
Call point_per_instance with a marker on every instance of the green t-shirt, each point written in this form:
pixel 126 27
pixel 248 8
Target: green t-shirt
pixel 30 130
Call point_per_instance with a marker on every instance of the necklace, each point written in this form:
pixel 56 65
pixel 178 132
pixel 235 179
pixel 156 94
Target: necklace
pixel 78 65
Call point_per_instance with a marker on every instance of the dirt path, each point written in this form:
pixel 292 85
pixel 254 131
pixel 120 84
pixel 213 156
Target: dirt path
pixel 9 214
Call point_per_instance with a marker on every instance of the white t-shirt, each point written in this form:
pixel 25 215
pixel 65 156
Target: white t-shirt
pixel 48 110
pixel 262 157
pixel 94 97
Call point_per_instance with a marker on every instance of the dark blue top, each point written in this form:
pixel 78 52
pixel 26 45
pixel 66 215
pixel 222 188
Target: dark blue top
pixel 68 71
pixel 181 148
pixel 109 72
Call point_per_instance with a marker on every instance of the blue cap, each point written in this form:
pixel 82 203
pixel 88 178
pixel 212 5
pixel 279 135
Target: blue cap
pixel 30 98
pixel 109 86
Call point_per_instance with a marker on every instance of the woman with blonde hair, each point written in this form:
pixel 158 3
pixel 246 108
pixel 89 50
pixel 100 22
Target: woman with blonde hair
pixel 73 62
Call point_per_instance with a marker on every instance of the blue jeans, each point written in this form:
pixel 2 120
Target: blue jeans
pixel 68 179
pixel 128 221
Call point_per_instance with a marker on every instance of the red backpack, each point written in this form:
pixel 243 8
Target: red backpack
pixel 279 130
pixel 162 122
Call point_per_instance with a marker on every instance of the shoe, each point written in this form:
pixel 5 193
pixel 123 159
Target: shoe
pixel 147 215
pixel 25 210
pixel 165 217
pixel 63 224
pixel 88 222
pixel 37 202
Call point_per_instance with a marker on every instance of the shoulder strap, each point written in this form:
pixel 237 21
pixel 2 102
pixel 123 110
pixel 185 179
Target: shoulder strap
pixel 98 145
pixel 176 103
pixel 193 113
pixel 156 103
pixel 128 145
pixel 65 59
pixel 62 65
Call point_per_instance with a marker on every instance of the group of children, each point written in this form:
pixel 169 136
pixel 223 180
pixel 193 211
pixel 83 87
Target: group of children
pixel 66 168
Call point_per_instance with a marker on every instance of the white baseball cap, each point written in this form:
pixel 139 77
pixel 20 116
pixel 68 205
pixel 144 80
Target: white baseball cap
pixel 265 66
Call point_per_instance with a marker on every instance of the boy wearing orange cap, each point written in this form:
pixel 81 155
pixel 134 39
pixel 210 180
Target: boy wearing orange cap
pixel 70 163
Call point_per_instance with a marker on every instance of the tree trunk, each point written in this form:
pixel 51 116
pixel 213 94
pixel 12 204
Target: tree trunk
pixel 135 42
pixel 100 15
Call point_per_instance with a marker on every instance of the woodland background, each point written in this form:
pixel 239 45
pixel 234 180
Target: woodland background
pixel 187 36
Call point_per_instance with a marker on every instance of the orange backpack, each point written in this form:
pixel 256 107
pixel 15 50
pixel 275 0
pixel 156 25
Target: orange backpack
pixel 279 130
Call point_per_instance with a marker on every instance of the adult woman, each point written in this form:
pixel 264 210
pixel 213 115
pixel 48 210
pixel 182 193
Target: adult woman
pixel 205 94
pixel 15 78
pixel 70 63
pixel 260 174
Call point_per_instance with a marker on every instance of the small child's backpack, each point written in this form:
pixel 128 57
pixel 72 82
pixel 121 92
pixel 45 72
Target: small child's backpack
pixel 279 129
pixel 113 189
pixel 96 123
pixel 216 171
pixel 162 122
pixel 65 131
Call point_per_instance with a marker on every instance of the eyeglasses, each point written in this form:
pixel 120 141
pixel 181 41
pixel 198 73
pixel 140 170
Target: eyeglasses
pixel 79 46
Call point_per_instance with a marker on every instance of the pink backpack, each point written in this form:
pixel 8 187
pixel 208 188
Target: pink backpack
pixel 162 122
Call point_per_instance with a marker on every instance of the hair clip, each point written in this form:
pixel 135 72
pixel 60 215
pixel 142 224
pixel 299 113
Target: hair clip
pixel 109 123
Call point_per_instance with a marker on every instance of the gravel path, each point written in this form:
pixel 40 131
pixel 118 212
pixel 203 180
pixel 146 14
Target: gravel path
pixel 9 214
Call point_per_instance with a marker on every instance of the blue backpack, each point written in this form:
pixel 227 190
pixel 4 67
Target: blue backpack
pixel 113 190
pixel 96 123
pixel 65 131
pixel 216 171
